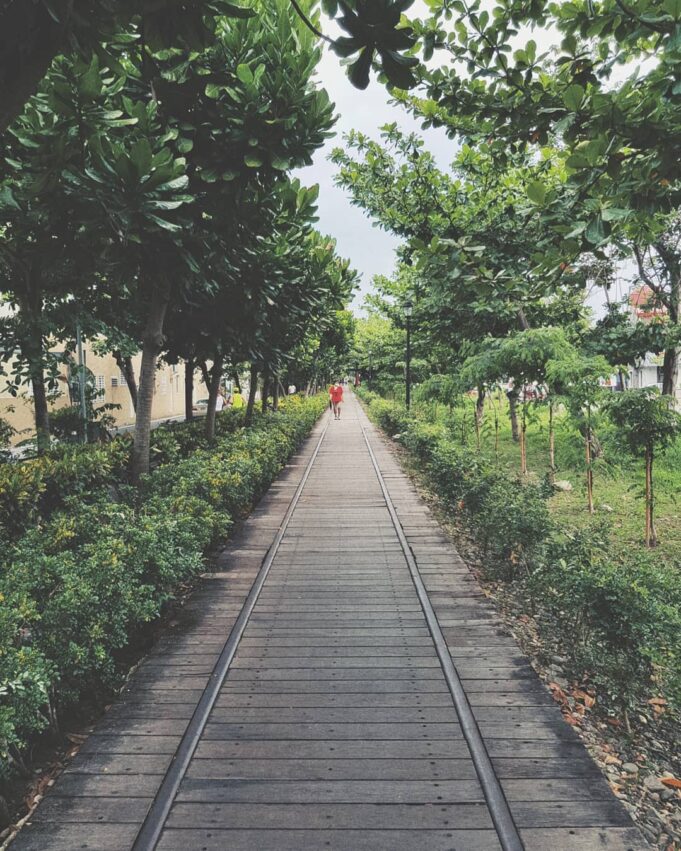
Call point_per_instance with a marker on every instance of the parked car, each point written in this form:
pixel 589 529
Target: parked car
pixel 200 407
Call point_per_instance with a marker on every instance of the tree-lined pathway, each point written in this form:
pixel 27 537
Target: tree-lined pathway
pixel 367 696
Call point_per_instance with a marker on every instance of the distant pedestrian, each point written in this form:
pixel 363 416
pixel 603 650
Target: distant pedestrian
pixel 220 402
pixel 237 400
pixel 337 399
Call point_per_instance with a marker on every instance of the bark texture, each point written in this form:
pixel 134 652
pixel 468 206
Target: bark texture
pixel 128 371
pixel 189 390
pixel 215 376
pixel 252 390
pixel 152 343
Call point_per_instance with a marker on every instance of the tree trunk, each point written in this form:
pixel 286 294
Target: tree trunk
pixel 670 371
pixel 275 394
pixel 205 374
pixel 589 469
pixel 215 377
pixel 670 364
pixel 236 380
pixel 479 414
pixel 265 388
pixel 34 354
pixel 513 414
pixel 651 535
pixel 128 372
pixel 480 405
pixel 496 428
pixel 152 342
pixel 189 390
pixel 552 445
pixel 42 415
pixel 252 389
pixel 523 441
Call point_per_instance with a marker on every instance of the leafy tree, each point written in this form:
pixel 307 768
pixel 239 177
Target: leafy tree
pixel 32 34
pixel 578 379
pixel 214 132
pixel 523 357
pixel 44 257
pixel 659 267
pixel 469 236
pixel 649 424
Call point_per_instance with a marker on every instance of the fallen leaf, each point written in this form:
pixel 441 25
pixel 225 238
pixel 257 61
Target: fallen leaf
pixel 671 782
pixel 657 701
pixel 612 760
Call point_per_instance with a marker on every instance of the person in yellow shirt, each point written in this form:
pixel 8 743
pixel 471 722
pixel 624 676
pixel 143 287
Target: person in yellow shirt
pixel 237 400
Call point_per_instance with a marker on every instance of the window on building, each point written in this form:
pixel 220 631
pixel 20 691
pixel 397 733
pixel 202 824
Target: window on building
pixel 121 380
pixel 660 375
pixel 101 382
pixel 164 383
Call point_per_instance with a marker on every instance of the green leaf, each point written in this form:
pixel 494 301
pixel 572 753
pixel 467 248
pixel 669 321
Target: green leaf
pixel 613 214
pixel 229 10
pixel 7 199
pixel 280 163
pixel 536 191
pixel 673 8
pixel 253 160
pixel 213 91
pixel 141 155
pixel 245 74
pixel 90 84
pixel 359 70
pixel 595 232
pixel 573 97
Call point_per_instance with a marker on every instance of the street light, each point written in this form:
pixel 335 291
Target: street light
pixel 371 370
pixel 408 310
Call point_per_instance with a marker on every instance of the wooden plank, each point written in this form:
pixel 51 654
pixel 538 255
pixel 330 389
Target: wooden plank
pixel 339 791
pixel 330 840
pixel 332 749
pixel 322 732
pixel 332 769
pixel 68 837
pixel 370 817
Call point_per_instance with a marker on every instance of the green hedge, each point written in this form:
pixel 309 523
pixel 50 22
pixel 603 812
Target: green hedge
pixel 31 490
pixel 617 620
pixel 79 583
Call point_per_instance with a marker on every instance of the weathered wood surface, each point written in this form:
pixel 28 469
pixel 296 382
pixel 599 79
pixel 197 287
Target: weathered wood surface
pixel 335 727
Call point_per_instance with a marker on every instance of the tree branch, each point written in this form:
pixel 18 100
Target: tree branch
pixel 308 23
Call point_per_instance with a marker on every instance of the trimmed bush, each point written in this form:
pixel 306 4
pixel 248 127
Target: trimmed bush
pixel 104 559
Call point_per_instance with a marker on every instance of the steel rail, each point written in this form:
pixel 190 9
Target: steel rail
pixel 494 795
pixel 154 823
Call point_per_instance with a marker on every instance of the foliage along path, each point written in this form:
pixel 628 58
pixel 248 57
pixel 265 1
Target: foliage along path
pixel 371 698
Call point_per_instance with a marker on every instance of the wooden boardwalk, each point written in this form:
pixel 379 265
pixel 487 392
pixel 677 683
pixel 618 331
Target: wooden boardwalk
pixel 360 695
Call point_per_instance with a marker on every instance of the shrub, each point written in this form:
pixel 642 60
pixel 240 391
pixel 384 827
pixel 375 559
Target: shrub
pixel 101 558
pixel 617 619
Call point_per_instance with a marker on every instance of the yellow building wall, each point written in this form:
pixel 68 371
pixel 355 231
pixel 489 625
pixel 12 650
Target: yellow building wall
pixel 168 394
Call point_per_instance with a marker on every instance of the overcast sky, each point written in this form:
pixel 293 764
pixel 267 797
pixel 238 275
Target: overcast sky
pixel 371 250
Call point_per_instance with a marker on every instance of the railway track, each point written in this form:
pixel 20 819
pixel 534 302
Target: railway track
pixel 346 687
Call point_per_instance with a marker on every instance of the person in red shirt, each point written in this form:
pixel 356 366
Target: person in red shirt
pixel 336 394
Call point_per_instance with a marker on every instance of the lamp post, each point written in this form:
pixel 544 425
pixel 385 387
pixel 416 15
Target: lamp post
pixel 408 310
pixel 371 370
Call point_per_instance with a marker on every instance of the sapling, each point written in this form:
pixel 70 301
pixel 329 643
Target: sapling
pixel 648 423
pixel 577 378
